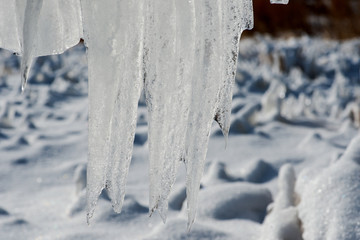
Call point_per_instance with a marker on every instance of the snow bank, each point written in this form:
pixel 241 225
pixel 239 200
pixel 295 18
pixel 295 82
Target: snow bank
pixel 216 174
pixel 47 145
pixel 236 200
pixel 329 206
pixel 198 232
pixel 282 221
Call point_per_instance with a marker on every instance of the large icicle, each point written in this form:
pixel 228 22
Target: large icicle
pixel 205 89
pixel 180 96
pixel 35 27
pixel 237 17
pixel 160 84
pixel 10 24
pixel 115 82
pixel 31 19
pixel 59 25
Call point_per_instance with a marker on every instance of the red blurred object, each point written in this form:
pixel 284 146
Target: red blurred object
pixel 338 19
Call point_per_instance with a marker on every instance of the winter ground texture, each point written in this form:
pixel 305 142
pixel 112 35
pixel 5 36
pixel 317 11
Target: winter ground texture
pixel 291 168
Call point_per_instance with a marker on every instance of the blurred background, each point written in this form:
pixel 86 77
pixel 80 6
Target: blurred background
pixel 336 19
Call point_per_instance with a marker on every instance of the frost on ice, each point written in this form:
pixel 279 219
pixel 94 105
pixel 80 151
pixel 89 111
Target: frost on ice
pixel 182 53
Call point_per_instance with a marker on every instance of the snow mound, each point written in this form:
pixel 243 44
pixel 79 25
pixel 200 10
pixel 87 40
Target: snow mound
pixel 235 200
pixel 199 232
pixel 329 207
pixel 131 209
pixel 217 174
pixel 3 212
pixel 177 198
pixel 244 120
pixel 258 171
pixel 282 222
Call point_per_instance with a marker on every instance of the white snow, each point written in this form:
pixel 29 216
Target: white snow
pixel 43 152
pixel 294 116
pixel 234 201
pixel 329 206
pixel 282 221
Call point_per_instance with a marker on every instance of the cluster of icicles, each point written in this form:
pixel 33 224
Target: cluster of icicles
pixel 183 53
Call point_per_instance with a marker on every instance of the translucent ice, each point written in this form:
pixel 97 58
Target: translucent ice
pixel 31 19
pixel 184 55
pixel 34 28
pixel 237 16
pixel 115 83
pixel 169 46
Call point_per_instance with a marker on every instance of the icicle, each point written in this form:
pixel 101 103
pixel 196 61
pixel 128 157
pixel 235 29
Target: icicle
pixel 180 97
pixel 170 49
pixel 59 28
pixel 279 1
pixel 186 51
pixel 31 18
pixel 205 89
pixel 160 84
pixel 236 17
pixel 115 81
pixel 35 28
pixel 11 25
pixel 246 15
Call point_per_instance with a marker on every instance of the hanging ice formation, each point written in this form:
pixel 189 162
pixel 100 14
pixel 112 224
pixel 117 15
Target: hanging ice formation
pixel 183 53
pixel 33 28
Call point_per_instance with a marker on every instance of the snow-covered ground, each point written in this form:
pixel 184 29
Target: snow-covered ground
pixel 288 171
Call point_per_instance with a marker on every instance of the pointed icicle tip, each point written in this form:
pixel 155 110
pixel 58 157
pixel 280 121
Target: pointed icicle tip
pixel 117 207
pixel 91 198
pixel 163 216
pixel 24 77
pixel 226 138
pixel 88 217
pixel 190 224
pixel 224 129
pixel 116 203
